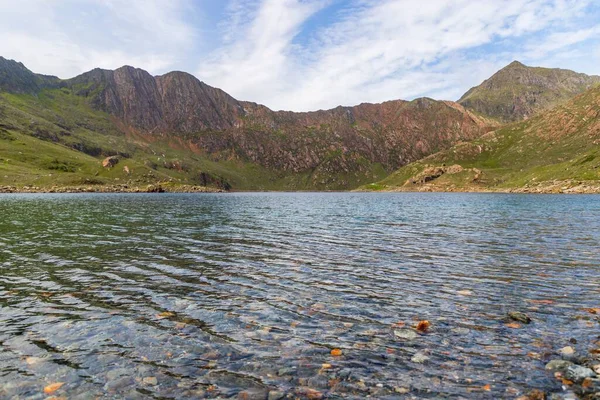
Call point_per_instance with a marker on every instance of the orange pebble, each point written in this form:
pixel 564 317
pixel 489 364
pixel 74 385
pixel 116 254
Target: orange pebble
pixel 53 387
pixel 423 326
pixel 336 352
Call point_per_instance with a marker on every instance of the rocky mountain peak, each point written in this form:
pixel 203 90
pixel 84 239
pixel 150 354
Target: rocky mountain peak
pixel 515 64
pixel 517 91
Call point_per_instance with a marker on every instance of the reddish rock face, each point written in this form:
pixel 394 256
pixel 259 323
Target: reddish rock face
pixel 175 103
pixel 209 121
pixel 343 139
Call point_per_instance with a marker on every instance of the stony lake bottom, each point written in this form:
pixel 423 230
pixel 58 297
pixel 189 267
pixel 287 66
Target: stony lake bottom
pixel 245 295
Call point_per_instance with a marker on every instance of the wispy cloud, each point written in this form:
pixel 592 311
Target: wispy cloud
pixel 306 54
pixel 69 37
pixel 378 50
pixel 259 53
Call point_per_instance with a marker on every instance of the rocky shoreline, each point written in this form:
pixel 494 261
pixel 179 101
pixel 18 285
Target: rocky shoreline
pixel 158 188
pixel 579 375
pixel 551 187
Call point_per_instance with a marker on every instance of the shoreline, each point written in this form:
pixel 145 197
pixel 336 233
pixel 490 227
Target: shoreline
pixel 158 188
pixel 548 187
pixel 555 187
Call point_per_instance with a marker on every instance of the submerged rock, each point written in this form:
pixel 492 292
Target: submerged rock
pixel 535 394
pixel 275 395
pixel 567 351
pixel 419 358
pixel 558 365
pixel 519 316
pixel 406 334
pixel 577 373
pixel 150 380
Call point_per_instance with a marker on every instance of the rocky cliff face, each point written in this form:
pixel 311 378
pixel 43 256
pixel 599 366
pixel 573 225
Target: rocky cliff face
pixel 209 121
pixel 16 78
pixel 517 92
pixel 173 103
pixel 391 134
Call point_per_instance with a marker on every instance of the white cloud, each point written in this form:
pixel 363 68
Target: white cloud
pixel 560 40
pixel 305 54
pixel 376 50
pixel 258 54
pixel 70 37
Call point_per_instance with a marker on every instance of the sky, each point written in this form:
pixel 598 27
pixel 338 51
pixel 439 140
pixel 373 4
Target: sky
pixel 306 55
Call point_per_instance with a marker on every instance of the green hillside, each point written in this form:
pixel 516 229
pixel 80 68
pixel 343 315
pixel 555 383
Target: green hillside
pixel 55 138
pixel 556 151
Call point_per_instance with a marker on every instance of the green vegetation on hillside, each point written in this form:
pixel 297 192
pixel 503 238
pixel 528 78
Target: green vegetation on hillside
pixel 555 151
pixel 54 133
pixel 518 92
pixel 56 138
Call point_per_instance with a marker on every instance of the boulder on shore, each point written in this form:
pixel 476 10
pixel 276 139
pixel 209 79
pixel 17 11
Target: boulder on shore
pixel 110 162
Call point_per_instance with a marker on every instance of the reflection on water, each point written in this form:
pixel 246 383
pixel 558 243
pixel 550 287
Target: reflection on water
pixel 242 295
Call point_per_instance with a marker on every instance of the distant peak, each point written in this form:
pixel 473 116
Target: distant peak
pixel 126 68
pixel 515 64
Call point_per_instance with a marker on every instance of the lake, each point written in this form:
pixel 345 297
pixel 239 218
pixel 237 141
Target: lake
pixel 245 295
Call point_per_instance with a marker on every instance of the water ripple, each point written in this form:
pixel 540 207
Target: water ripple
pixel 191 296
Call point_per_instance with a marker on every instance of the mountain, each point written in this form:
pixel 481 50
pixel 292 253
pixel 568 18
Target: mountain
pixel 16 78
pixel 555 151
pixel 179 105
pixel 176 102
pixel 518 92
pixel 176 128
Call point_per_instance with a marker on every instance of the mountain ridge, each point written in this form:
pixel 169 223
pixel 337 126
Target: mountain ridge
pixel 178 104
pixel 201 130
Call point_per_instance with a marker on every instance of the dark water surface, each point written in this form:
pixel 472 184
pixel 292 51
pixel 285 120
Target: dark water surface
pixel 239 295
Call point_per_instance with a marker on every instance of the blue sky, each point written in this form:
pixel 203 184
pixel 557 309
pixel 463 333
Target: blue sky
pixel 306 54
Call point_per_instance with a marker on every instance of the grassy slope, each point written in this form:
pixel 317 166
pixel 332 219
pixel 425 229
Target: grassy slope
pixel 44 140
pixel 559 147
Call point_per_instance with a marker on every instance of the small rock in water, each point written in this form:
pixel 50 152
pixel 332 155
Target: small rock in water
pixel 566 396
pixel 336 352
pixel 597 369
pixel 423 326
pixel 406 334
pixel 534 395
pixel 150 380
pixel 275 395
pixel 253 395
pixel 577 373
pixel 461 331
pixel 309 393
pixel 558 365
pixel 519 316
pixel 286 371
pixel 33 360
pixel 567 351
pixel 345 373
pixel 419 358
pixel 53 387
